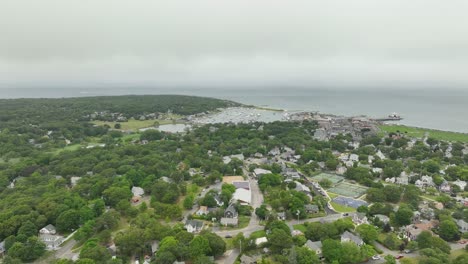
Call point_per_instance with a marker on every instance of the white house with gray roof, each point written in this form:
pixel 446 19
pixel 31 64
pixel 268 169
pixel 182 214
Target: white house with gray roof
pixel 315 246
pixel 350 237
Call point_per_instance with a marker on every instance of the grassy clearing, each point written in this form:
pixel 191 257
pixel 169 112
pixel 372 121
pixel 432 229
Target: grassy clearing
pixel 454 254
pixel 258 234
pixel 409 261
pixel 132 124
pixel 332 195
pixel 420 132
pixel 11 161
pixel 130 137
pixel 300 227
pixel 341 208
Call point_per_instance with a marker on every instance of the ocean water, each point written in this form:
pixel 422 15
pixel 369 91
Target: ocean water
pixel 437 109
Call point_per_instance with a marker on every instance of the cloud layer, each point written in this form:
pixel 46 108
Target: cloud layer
pixel 234 43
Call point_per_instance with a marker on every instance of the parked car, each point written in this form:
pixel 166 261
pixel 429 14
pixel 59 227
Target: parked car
pixel 399 257
pixel 228 236
pixel 407 251
pixel 376 257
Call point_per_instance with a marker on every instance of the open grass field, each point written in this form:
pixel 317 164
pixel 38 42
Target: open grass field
pixel 341 208
pixel 11 161
pixel 132 124
pixel 420 132
pixel 258 234
pixel 455 253
pixel 300 227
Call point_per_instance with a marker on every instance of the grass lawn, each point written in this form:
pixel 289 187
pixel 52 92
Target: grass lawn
pixel 341 208
pixel 258 234
pixel 300 227
pixel 454 254
pixel 11 161
pixel 133 124
pixel 332 195
pixel 409 260
pixel 130 137
pixel 229 244
pixel 419 133
pixel 319 214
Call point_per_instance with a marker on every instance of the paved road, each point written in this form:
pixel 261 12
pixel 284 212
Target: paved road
pixel 64 252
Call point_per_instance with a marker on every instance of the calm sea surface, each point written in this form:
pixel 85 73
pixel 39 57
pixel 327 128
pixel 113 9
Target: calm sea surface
pixel 442 109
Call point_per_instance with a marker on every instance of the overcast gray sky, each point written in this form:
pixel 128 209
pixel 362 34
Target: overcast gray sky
pixel 368 43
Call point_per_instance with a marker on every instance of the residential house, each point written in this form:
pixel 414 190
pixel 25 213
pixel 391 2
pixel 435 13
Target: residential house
pixel 460 184
pixel 445 187
pixel 154 247
pixel 281 216
pixel 218 200
pixel 48 229
pixel 291 173
pixel 241 184
pixel 194 226
pixel 230 212
pixel 354 158
pixel 385 219
pixel 225 221
pixel 302 188
pixel 412 231
pixel 341 170
pixel 248 260
pixel 380 155
pixel 138 191
pixel 274 152
pixel 260 240
pixel 402 180
pixel 311 208
pixel 203 210
pixel 258 172
pixel 243 196
pixel 320 134
pixel 462 225
pixel 296 233
pixel 52 242
pixel 315 246
pixel 425 181
pixel 377 170
pixel 350 237
pixel 344 157
pixel 360 218
pixel 74 181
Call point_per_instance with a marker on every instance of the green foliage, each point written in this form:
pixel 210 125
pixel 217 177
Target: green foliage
pixel 27 251
pixel 426 240
pixel 404 215
pixel 368 232
pixel 448 230
pixel 199 246
pixel 216 243
pixel 92 250
pixel 269 180
pixel 306 256
pixel 279 239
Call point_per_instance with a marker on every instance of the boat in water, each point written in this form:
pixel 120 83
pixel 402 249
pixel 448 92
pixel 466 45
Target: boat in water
pixel 392 117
